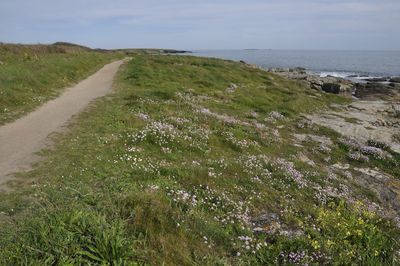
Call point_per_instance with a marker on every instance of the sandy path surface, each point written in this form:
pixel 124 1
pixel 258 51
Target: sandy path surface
pixel 21 139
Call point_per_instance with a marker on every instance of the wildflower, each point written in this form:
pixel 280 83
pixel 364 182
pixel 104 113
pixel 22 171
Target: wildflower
pixel 143 116
pixel 315 244
pixel 374 151
pixel 357 156
pixel 292 173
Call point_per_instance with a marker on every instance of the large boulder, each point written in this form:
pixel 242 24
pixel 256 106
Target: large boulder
pixel 338 87
pixel 395 80
pixel 381 79
pixel 396 110
pixel 373 90
pixel 331 87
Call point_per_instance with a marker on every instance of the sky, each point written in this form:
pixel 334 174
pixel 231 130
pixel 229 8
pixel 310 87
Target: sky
pixel 205 24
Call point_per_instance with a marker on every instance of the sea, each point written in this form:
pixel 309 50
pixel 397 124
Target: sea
pixel 354 65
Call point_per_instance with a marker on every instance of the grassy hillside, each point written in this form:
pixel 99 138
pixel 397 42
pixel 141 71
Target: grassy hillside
pixel 198 162
pixel 33 74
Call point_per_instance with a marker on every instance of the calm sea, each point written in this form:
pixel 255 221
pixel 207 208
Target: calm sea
pixel 334 63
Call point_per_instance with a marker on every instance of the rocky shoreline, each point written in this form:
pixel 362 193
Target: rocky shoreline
pixel 373 115
pixel 371 88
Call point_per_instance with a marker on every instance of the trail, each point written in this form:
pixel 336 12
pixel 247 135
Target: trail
pixel 21 139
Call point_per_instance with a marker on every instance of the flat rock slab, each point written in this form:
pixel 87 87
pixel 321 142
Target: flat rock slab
pixel 360 120
pixel 21 139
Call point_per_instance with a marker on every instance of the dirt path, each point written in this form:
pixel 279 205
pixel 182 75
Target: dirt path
pixel 20 140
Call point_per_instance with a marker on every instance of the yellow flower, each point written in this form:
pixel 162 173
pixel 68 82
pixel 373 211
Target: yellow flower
pixel 358 203
pixel 376 253
pixel 315 244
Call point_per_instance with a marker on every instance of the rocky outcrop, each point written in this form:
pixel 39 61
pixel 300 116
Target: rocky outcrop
pixel 381 79
pixel 331 87
pixel 386 188
pixel 327 84
pixel 396 110
pixel 270 224
pixel 395 80
pixel 374 88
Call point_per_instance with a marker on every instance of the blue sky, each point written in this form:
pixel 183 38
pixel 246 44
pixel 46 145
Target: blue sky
pixel 205 24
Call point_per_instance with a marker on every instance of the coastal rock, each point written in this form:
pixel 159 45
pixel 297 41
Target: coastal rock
pixel 385 187
pixel 396 110
pixel 316 84
pixel 267 223
pixel 327 84
pixel 395 80
pixel 376 88
pixel 382 79
pixel 347 88
pixel 331 87
pixel 270 224
pixel 373 90
pixel 232 88
pixel 300 70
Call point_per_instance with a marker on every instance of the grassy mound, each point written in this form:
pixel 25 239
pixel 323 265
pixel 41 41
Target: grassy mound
pixel 196 161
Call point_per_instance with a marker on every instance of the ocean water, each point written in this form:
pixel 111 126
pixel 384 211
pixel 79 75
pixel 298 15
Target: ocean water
pixel 354 64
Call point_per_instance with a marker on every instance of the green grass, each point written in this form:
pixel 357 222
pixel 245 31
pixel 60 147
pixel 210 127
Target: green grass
pixel 31 75
pixel 174 169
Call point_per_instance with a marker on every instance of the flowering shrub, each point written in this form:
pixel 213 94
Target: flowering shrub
pixel 257 166
pixel 222 117
pixel 158 132
pixel 291 172
pixel 357 150
pixel 351 143
pixel 375 152
pixel 357 156
pixel 378 144
pixel 352 235
pixel 239 143
pixel 142 116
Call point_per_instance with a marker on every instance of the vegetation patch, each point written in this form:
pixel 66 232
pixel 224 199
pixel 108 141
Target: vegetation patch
pixel 195 161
